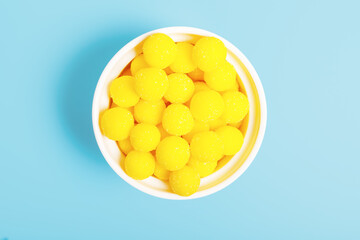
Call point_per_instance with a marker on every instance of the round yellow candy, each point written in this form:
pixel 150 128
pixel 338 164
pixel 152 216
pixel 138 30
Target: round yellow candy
pixel 183 62
pixel 214 124
pixel 198 86
pixel 144 137
pixel 163 133
pixel 207 146
pixel 125 146
pixel 139 165
pixel 116 123
pixel 209 53
pixel 159 50
pixel 203 168
pixel 222 162
pixel 185 181
pixel 232 137
pixel 149 111
pixel 138 63
pixel 236 106
pixel 173 153
pixel 235 86
pixel 122 91
pixel 207 105
pixel 181 88
pixel 161 172
pixel 198 127
pixel 196 75
pixel 151 83
pixel 177 119
pixel 222 78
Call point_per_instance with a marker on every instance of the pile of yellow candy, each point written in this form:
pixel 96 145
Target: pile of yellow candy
pixel 177 112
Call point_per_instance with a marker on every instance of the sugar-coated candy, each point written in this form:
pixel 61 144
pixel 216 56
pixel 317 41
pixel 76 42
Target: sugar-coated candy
pixel 236 106
pixel 207 105
pixel 207 146
pixel 185 181
pixel 183 62
pixel 161 172
pixel 149 111
pixel 173 153
pixel 151 83
pixel 122 91
pixel 159 50
pixel 177 119
pixel 144 137
pixel 203 168
pixel 222 78
pixel 209 53
pixel 138 63
pixel 181 88
pixel 232 138
pixel 139 165
pixel 198 127
pixel 116 123
pixel 125 146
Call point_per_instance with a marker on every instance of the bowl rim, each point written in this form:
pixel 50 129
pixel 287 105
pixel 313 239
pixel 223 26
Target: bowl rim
pixel 262 102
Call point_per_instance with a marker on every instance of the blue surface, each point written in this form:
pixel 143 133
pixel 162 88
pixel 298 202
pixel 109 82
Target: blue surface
pixel 304 183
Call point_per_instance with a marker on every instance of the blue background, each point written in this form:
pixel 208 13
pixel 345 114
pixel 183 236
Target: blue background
pixel 303 184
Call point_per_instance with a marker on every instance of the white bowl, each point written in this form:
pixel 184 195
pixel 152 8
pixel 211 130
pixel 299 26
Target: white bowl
pixel 254 132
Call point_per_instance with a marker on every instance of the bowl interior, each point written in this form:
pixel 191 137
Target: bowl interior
pixel 252 125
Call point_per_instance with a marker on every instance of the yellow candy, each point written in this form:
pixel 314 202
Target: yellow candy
pixel 219 122
pixel 116 123
pixel 144 137
pixel 183 62
pixel 196 75
pixel 151 83
pixel 137 64
pixel 203 168
pixel 236 106
pixel 149 112
pixel 207 105
pixel 181 88
pixel 173 153
pixel 222 78
pixel 232 137
pixel 177 119
pixel 207 146
pixel 235 86
pixel 199 86
pixel 198 127
pixel 209 53
pixel 222 162
pixel 163 133
pixel 139 165
pixel 125 146
pixel 122 91
pixel 161 172
pixel 159 50
pixel 185 181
